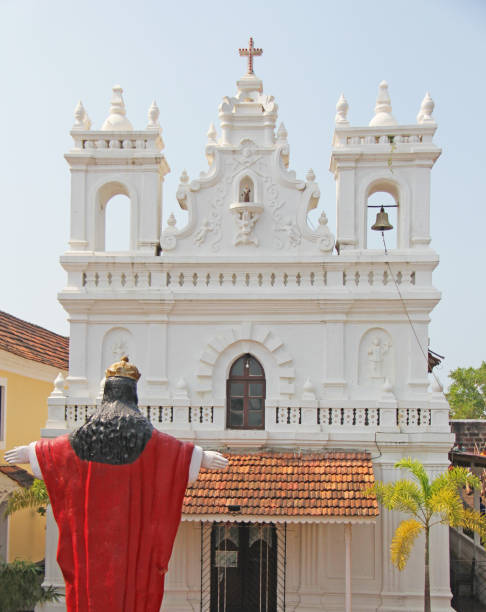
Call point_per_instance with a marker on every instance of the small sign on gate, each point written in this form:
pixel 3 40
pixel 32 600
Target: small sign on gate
pixel 226 558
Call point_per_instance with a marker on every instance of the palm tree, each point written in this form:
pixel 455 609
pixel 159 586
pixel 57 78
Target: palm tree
pixel 428 503
pixel 35 497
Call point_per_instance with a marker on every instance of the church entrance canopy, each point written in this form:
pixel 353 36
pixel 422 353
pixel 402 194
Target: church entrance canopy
pixel 244 513
pixel 275 487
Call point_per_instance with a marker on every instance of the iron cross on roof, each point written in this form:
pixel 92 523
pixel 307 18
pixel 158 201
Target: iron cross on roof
pixel 250 52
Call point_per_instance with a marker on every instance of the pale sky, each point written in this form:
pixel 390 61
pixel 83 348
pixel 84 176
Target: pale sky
pixel 184 55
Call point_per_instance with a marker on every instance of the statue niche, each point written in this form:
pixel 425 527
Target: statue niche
pixel 247 190
pixel 247 212
pixel 376 359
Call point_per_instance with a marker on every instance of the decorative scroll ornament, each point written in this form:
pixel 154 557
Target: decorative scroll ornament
pixel 123 368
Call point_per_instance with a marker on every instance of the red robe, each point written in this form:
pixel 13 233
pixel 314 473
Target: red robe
pixel 117 523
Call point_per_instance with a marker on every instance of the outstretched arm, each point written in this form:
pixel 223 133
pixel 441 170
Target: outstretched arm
pixel 211 460
pixel 25 454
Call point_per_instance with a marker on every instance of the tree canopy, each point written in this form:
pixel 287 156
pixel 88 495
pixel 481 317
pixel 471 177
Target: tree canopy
pixel 467 394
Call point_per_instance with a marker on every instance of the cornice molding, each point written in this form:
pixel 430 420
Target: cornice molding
pixel 25 367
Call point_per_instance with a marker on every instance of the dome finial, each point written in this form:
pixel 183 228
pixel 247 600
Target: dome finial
pixel 153 116
pixel 426 110
pixel 383 109
pixel 342 107
pixel 212 134
pixel 116 120
pixel 81 119
pixel 282 133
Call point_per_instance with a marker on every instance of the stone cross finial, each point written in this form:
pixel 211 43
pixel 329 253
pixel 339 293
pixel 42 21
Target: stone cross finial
pixel 250 53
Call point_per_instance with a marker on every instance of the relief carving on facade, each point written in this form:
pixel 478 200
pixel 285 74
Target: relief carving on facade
pixel 376 359
pixel 376 356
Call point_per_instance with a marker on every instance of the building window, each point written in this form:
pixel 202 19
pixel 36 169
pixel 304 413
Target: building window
pixel 245 394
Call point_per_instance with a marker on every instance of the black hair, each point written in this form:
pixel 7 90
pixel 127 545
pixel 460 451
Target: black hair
pixel 118 432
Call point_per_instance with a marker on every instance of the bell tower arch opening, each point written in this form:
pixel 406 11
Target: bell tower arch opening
pixel 114 218
pixel 382 193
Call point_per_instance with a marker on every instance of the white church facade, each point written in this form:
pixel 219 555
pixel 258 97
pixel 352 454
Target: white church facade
pixel 300 354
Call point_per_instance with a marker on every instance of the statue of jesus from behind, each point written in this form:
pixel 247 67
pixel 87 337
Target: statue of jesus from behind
pixel 116 487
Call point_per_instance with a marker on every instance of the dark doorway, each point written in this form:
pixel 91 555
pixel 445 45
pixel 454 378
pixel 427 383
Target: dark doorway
pixel 243 567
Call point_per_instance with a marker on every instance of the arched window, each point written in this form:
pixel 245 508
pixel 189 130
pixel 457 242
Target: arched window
pixel 245 394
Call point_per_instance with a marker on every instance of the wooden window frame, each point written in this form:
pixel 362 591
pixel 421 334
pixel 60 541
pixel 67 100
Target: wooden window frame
pixel 246 380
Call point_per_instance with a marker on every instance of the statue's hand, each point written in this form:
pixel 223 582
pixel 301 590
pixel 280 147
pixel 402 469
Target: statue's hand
pixel 19 454
pixel 214 461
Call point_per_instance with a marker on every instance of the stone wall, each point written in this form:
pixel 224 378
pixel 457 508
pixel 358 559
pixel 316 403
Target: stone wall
pixel 470 434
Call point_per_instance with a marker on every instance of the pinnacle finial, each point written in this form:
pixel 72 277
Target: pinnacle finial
pixel 171 221
pixel 426 110
pixel 153 117
pixel 81 119
pixel 184 177
pixel 117 120
pixel 342 107
pixel 212 134
pixel 59 385
pixel 383 109
pixel 310 177
pixel 282 132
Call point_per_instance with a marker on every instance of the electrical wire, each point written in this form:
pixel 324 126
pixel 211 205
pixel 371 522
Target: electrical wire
pixel 425 355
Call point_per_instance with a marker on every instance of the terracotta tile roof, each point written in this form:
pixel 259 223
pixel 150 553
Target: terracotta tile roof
pixel 33 342
pixel 19 475
pixel 318 486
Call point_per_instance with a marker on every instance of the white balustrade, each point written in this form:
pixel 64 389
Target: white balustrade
pixel 356 277
pixel 285 417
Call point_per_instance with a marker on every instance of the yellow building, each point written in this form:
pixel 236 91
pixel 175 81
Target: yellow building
pixel 30 359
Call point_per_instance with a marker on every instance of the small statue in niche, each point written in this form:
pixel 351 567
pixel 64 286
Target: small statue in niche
pixel 116 487
pixel 377 352
pixel 246 195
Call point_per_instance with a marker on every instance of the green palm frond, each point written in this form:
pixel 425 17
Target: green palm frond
pixel 403 540
pixel 455 478
pixel 474 520
pixel 401 495
pixel 35 497
pixel 418 471
pixel 447 502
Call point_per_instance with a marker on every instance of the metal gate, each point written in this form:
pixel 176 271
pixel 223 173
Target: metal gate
pixel 243 567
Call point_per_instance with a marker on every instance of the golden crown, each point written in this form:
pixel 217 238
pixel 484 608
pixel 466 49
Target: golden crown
pixel 123 368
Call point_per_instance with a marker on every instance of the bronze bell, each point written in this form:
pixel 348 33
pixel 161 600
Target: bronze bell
pixel 382 224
